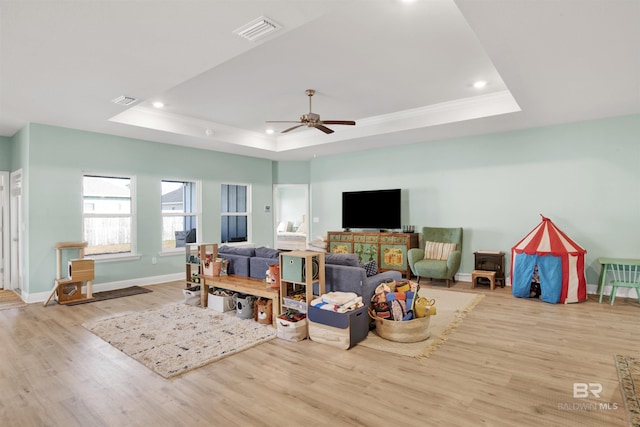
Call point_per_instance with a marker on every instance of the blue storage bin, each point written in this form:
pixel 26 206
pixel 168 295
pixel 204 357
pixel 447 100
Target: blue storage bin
pixel 342 330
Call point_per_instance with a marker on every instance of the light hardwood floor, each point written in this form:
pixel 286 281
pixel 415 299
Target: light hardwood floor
pixel 511 362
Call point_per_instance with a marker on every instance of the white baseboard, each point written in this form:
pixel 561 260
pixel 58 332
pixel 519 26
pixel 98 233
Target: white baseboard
pixel 110 286
pixel 591 289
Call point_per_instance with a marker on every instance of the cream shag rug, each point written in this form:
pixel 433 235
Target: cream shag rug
pixel 177 338
pixel 629 374
pixel 9 299
pixel 451 308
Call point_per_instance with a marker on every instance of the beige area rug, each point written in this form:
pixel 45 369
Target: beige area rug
pixel 629 374
pixel 451 308
pixel 176 338
pixel 9 299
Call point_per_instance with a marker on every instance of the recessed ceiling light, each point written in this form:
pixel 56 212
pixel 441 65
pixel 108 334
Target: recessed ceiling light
pixel 208 132
pixel 158 104
pixel 270 131
pixel 479 84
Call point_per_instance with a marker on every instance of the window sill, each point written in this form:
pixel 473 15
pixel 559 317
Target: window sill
pixel 114 257
pixel 172 252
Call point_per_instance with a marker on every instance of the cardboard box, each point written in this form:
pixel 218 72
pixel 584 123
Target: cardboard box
pixel 342 330
pixel 81 270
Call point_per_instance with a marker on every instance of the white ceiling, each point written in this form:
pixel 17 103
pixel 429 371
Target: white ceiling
pixel 404 72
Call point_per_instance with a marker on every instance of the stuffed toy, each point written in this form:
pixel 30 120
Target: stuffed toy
pixel 263 311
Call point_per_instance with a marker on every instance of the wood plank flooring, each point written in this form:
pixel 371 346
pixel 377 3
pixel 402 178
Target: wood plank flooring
pixel 511 362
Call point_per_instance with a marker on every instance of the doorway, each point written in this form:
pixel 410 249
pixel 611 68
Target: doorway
pixel 16 227
pixel 4 229
pixel 291 214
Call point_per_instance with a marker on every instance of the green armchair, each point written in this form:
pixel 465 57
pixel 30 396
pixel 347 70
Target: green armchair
pixel 440 263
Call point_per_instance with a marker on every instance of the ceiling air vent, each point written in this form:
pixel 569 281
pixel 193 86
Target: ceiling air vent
pixel 124 100
pixel 257 28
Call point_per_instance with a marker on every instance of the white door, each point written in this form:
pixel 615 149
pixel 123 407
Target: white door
pixel 16 222
pixel 4 229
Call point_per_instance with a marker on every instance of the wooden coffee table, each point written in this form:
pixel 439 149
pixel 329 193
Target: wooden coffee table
pixel 245 285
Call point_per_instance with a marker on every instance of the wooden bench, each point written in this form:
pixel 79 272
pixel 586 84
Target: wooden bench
pixel 242 284
pixel 489 275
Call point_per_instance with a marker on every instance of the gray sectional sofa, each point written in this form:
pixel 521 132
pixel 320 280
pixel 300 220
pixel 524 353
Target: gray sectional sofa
pixel 343 272
pixel 249 262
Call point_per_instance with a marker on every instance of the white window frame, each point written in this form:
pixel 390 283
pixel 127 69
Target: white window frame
pixel 134 233
pixel 197 214
pixel 247 214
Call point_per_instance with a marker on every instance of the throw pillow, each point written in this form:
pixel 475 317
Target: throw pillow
pixel 302 228
pixel 370 268
pixel 438 250
pixel 342 259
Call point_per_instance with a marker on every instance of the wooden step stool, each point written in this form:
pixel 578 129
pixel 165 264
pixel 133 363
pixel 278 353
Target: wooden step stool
pixel 489 275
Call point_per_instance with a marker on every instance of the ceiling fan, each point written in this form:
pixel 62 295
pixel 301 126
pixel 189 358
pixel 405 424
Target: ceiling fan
pixel 312 120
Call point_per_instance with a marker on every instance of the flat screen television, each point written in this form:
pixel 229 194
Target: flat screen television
pixel 376 209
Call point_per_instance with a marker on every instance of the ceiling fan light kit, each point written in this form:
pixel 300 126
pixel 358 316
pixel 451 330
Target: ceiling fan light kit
pixel 312 120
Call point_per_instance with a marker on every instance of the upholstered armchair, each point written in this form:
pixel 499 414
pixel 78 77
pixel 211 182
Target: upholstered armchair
pixel 440 259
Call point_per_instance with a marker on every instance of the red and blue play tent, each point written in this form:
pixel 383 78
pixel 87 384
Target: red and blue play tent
pixel 560 263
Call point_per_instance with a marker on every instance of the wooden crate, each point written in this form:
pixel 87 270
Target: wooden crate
pixel 81 270
pixel 69 291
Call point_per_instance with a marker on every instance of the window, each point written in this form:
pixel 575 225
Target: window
pixel 180 213
pixel 107 214
pixel 234 209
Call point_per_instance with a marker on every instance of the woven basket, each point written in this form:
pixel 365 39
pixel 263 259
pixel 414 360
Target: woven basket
pixel 410 331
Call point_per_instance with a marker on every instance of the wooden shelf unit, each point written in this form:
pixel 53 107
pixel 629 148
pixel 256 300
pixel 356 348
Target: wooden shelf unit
pixel 297 274
pixel 193 259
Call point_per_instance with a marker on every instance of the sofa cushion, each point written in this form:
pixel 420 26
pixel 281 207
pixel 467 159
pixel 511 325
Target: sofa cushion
pixel 370 268
pixel 438 250
pixel 235 250
pixel 342 259
pixel 263 252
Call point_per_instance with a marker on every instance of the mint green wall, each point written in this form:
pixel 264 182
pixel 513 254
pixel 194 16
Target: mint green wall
pixel 20 150
pixel 584 176
pixel 57 159
pixel 5 153
pixel 20 161
pixel 291 172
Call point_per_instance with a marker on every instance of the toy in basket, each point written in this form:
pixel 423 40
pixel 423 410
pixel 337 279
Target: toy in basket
pixel 400 314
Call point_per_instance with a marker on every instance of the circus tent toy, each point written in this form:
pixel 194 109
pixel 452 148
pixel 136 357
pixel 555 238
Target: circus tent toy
pixel 559 262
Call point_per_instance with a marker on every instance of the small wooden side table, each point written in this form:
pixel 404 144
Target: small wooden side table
pixel 489 275
pixel 491 261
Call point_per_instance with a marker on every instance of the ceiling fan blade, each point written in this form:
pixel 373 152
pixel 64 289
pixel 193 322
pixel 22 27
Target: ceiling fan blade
pixel 283 121
pixel 323 128
pixel 339 122
pixel 292 128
